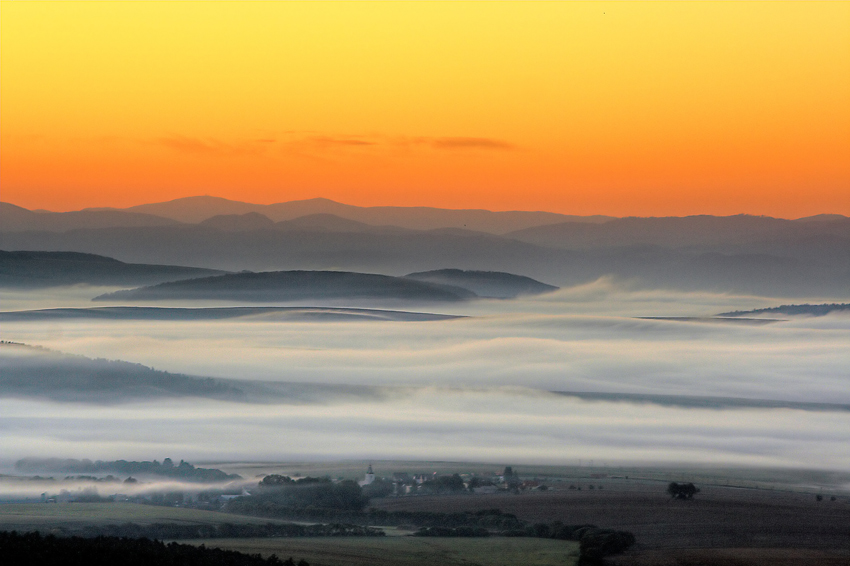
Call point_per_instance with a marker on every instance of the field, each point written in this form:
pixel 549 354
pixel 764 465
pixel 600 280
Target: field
pixel 409 551
pixel 732 557
pixel 718 517
pixel 44 516
pixel 393 550
pixel 745 521
pixel 721 526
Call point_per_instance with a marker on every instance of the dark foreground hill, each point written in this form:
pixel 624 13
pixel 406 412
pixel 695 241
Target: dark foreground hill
pixel 490 284
pixel 25 269
pixel 28 549
pixel 276 286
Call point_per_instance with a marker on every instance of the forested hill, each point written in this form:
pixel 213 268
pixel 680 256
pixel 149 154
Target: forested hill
pixel 27 269
pixel 791 310
pixel 295 286
pixel 38 373
pixel 490 284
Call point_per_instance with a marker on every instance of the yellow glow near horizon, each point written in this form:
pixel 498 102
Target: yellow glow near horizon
pixel 617 108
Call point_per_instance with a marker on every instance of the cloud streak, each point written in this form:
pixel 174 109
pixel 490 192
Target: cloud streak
pixel 210 146
pixel 470 143
pixel 299 142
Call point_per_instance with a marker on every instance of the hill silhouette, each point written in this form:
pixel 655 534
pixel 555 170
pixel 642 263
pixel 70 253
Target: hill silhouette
pixel 490 284
pixel 279 286
pixel 16 219
pixel 196 209
pixel 53 269
pixel 239 222
pixel 30 372
pixel 743 254
pixel 792 310
pixel 265 314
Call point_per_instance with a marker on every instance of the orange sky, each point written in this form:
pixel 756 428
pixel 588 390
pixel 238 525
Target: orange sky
pixel 581 108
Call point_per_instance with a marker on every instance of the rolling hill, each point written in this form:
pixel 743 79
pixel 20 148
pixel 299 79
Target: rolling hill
pixel 30 372
pixel 489 284
pixel 286 286
pixel 742 254
pixel 53 269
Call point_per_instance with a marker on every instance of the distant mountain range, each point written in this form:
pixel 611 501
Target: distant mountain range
pixel 194 210
pixel 744 254
pixel 706 232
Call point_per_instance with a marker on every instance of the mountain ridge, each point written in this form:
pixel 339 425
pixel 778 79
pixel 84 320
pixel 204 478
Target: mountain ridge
pixel 196 209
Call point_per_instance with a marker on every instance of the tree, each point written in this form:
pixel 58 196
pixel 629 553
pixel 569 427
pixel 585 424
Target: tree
pixel 276 480
pixel 682 490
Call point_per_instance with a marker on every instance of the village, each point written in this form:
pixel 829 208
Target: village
pixel 401 484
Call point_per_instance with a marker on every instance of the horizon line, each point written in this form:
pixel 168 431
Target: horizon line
pixel 127 209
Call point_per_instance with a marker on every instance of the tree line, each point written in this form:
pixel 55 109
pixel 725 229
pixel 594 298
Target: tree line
pixel 183 470
pixel 26 549
pixel 171 531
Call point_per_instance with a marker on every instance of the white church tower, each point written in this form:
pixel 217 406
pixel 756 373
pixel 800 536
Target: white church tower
pixel 370 477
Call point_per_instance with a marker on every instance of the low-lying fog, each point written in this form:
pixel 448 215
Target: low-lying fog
pixel 473 388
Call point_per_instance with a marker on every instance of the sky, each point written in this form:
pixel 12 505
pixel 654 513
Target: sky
pixel 581 108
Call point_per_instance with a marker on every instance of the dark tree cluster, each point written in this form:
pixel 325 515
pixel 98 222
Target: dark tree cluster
pixel 378 488
pixel 596 544
pixel 449 532
pixel 443 484
pixel 282 498
pixel 480 482
pixel 682 490
pixel 183 470
pixel 277 480
pixel 30 549
pixel 171 531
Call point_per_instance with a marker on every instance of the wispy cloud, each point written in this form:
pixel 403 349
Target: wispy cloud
pixel 310 142
pixel 470 143
pixel 328 141
pixel 210 146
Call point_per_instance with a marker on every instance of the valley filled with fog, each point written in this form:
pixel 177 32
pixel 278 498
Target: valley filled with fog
pixel 583 373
